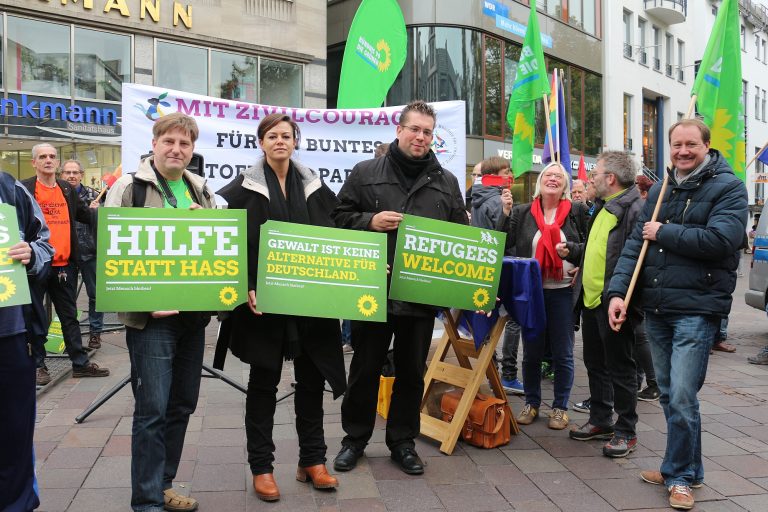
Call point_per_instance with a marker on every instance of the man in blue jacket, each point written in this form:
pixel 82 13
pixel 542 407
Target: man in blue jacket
pixel 686 287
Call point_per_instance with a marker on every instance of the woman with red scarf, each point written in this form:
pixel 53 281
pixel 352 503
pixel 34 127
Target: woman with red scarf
pixel 533 230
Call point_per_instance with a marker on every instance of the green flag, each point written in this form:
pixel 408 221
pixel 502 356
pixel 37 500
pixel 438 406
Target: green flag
pixel 374 55
pixel 530 84
pixel 718 87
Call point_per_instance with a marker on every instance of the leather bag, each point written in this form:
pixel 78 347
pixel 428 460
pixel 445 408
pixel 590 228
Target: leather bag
pixel 489 422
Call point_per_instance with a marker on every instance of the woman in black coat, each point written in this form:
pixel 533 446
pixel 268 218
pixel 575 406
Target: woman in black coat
pixel 277 188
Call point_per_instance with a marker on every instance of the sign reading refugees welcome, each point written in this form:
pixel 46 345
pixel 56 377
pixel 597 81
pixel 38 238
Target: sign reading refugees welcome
pixel 14 289
pixel 322 272
pixel 446 264
pixel 159 259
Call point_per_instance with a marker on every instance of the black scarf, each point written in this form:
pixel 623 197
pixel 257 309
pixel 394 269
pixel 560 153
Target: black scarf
pixel 409 169
pixel 292 208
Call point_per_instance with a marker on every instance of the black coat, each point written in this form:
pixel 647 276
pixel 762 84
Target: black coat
pixel 258 339
pixel 373 186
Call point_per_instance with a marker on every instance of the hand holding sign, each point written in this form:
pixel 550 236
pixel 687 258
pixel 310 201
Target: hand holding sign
pixel 506 201
pixel 21 251
pixel 386 221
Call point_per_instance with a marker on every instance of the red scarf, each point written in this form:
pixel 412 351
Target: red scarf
pixel 551 264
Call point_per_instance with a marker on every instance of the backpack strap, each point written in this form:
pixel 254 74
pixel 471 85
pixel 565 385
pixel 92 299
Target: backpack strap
pixel 139 192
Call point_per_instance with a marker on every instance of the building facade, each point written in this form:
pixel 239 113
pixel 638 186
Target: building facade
pixel 469 49
pixel 64 62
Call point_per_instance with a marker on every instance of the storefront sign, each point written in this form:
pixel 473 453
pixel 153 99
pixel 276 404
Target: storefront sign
pixel 14 289
pixel 332 141
pixel 147 9
pixel 322 272
pixel 500 13
pixel 157 259
pixel 56 111
pixel 446 264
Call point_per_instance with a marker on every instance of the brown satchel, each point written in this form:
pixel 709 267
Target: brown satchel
pixel 489 422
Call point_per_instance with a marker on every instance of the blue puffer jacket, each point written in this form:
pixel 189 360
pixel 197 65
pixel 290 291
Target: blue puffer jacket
pixel 691 267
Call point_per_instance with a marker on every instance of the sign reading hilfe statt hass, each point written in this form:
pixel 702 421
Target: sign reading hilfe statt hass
pixel 446 264
pixel 159 259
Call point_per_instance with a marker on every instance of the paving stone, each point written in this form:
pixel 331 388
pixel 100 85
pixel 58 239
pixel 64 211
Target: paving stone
pixel 722 431
pixel 224 421
pixel 43 449
pixel 356 485
pixel 452 470
pixel 287 503
pixel 408 495
pixel 751 503
pixel 110 472
pixel 117 445
pixel 86 437
pixel 734 420
pixel 712 446
pixel 589 468
pixel 72 458
pixel 748 466
pixel 221 455
pixel 534 461
pixel 719 506
pixel 222 437
pixel 362 505
pixel 630 493
pixel 728 483
pixel 102 500
pixel 564 446
pixel 61 478
pixel 471 498
pixel 558 483
pixel 581 502
pixel 481 457
pixel 385 469
pixel 223 500
pixel 218 477
pixel 504 475
pixel 56 500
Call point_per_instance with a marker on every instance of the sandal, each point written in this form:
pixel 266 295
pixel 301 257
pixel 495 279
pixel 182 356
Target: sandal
pixel 175 502
pixel 722 346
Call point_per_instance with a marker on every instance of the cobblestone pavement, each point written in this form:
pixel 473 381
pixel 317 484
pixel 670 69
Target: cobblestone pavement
pixel 86 467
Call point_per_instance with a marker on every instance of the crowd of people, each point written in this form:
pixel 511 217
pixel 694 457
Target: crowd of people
pixel 587 237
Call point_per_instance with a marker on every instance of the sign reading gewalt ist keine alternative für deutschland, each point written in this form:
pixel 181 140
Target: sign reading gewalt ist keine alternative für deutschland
pixel 446 264
pixel 157 259
pixel 322 272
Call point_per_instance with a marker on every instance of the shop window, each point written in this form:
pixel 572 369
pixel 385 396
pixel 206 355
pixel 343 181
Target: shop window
pixel 493 87
pixel 511 59
pixel 234 77
pixel 181 67
pixel 102 64
pixel 38 57
pixel 593 116
pixel 281 83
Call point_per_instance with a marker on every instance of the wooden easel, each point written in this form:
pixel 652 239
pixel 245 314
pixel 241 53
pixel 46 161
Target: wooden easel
pixel 462 376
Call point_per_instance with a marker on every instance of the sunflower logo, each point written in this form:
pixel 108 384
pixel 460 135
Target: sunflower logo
pixel 228 295
pixel 7 288
pixel 384 63
pixel 367 305
pixel 480 297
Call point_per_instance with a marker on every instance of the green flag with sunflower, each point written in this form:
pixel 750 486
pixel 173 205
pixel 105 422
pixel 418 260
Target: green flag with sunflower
pixel 530 84
pixel 374 54
pixel 718 87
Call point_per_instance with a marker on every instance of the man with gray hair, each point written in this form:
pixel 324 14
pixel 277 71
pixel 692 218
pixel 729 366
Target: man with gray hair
pixel 608 354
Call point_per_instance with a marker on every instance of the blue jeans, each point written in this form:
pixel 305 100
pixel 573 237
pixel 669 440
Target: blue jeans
pixel 558 304
pixel 88 271
pixel 680 346
pixel 166 361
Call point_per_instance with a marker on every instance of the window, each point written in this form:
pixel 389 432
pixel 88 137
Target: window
pixel 764 51
pixel 580 13
pixel 234 77
pixel 593 125
pixel 680 60
pixel 575 14
pixel 757 102
pixel 628 34
pixel 38 57
pixel 670 54
pixel 551 7
pixel 628 122
pixel 757 46
pixel 493 87
pixel 743 39
pixel 656 48
pixel 642 50
pixel 744 97
pixel 511 58
pixel 181 67
pixel 281 83
pixel 102 64
pixel 762 106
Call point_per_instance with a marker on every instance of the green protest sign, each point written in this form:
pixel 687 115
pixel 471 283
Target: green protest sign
pixel 14 288
pixel 446 264
pixel 157 259
pixel 54 343
pixel 322 272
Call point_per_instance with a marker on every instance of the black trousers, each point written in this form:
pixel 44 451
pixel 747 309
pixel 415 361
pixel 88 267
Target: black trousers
pixel 643 356
pixel 413 336
pixel 61 286
pixel 260 403
pixel 608 356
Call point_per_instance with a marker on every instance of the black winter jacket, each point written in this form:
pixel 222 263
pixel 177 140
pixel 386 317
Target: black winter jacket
pixel 86 233
pixel 486 206
pixel 373 186
pixel 691 267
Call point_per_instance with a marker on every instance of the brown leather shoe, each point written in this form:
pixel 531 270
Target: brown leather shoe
pixel 318 475
pixel 94 341
pixel 266 487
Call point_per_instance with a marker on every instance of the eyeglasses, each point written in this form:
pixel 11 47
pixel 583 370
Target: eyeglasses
pixel 416 131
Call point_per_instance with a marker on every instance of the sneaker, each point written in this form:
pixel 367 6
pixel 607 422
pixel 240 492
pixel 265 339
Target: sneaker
pixel 760 358
pixel 528 414
pixel 43 377
pixel 582 406
pixel 680 497
pixel 649 394
pixel 347 349
pixel 558 419
pixel 589 431
pixel 90 370
pixel 513 387
pixel 619 446
pixel 94 341
pixel 655 478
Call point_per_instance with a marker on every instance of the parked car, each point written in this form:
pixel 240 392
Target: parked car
pixel 758 275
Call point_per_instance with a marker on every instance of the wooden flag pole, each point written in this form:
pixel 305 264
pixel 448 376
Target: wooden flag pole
pixel 757 155
pixel 644 249
pixel 549 127
pixel 557 115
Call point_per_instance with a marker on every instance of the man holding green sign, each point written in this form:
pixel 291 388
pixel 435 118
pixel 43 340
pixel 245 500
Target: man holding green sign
pixel 166 347
pixel 408 179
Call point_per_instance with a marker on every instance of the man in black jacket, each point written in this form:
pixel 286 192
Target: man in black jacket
pixel 61 207
pixel 686 287
pixel 608 354
pixel 408 179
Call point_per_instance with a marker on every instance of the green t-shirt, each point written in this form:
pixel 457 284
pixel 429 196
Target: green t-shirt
pixel 593 277
pixel 180 191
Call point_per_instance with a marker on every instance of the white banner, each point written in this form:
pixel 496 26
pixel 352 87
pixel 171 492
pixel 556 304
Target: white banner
pixel 332 141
